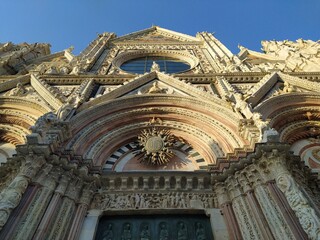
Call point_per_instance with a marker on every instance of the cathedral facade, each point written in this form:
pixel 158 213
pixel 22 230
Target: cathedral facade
pixel 160 135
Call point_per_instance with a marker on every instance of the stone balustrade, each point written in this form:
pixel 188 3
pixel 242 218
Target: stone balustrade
pixel 156 181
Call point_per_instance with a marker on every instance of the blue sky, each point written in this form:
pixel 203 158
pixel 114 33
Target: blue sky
pixel 63 23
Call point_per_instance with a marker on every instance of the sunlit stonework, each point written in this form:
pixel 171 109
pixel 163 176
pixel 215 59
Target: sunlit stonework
pixel 228 143
pixel 155 146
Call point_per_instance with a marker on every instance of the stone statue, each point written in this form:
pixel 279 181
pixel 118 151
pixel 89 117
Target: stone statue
pixel 3 217
pixel 76 70
pixel 64 70
pixel 260 124
pixel 156 89
pixel 65 110
pixel 51 70
pixel 155 67
pixel 242 106
pixel 288 88
pixel 18 91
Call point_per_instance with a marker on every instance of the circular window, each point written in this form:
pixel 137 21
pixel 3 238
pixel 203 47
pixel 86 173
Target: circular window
pixel 143 64
pixel 140 62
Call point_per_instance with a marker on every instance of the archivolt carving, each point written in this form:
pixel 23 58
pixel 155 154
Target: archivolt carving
pixel 29 118
pixel 214 124
pixel 302 111
pixel 158 100
pixel 299 130
pixel 25 105
pixel 274 104
pixel 97 147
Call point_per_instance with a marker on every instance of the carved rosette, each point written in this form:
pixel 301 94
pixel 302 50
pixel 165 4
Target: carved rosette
pixel 155 146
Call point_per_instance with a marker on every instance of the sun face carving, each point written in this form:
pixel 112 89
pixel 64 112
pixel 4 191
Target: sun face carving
pixel 155 146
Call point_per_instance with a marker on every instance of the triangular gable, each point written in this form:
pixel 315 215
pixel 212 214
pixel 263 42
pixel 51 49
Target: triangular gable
pixel 145 82
pixel 156 34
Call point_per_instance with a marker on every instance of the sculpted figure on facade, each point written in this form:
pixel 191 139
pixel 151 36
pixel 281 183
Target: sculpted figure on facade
pixel 66 110
pixel 242 106
pixel 177 200
pixel 155 67
pixel 260 124
pixel 18 91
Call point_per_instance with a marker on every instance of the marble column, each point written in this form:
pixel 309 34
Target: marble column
pixel 80 214
pixel 227 212
pixel 66 212
pixel 18 212
pixel 287 212
pixel 52 208
pixel 254 205
pixel 248 225
pixel 270 209
pixel 38 205
pixel 272 165
pixel 90 225
pixel 13 193
pixel 259 216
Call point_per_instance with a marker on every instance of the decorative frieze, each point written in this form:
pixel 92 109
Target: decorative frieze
pixel 162 200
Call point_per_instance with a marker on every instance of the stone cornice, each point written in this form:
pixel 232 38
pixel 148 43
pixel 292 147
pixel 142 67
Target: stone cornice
pixel 223 169
pixel 173 43
pixel 19 101
pixel 234 78
pixel 45 93
pixel 12 82
pixel 302 83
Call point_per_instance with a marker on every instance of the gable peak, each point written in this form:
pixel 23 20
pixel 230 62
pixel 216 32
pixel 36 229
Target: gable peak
pixel 155 33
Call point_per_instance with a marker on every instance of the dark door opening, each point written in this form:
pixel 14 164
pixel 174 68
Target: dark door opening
pixel 154 227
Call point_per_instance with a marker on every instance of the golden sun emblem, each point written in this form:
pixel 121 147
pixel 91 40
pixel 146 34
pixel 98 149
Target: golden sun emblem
pixel 155 146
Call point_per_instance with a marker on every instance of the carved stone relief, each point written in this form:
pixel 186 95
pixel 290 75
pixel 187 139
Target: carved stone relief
pixel 178 200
